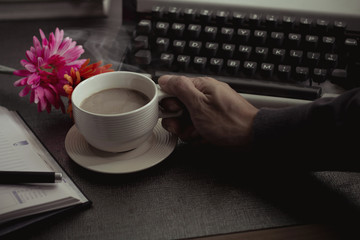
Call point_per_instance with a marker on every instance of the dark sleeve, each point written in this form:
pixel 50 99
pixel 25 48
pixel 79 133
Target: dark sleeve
pixel 328 125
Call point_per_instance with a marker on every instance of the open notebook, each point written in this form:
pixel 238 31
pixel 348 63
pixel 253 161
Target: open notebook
pixel 22 151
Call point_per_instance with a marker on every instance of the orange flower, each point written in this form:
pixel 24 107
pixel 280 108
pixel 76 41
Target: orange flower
pixel 87 71
pixel 83 73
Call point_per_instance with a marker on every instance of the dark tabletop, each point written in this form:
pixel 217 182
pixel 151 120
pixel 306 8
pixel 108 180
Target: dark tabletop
pixel 196 191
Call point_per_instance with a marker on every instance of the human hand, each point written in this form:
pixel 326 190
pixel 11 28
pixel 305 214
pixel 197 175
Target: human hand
pixel 217 114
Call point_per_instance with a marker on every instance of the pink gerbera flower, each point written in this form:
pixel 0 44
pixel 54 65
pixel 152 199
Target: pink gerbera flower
pixel 46 64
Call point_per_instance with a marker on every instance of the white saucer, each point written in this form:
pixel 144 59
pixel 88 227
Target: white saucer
pixel 159 146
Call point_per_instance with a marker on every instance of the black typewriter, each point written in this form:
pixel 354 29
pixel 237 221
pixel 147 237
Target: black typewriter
pixel 257 52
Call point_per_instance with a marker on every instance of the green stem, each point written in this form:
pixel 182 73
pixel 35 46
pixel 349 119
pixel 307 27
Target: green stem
pixel 6 70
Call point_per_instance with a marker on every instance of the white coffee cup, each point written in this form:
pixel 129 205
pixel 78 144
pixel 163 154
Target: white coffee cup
pixel 124 131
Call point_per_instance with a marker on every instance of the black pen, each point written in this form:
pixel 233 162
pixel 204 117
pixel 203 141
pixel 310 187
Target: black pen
pixel 8 177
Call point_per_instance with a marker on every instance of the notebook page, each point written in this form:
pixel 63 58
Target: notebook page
pixel 23 200
pixel 47 157
pixel 17 153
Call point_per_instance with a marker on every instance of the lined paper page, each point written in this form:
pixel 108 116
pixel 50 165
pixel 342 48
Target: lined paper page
pixel 16 151
pixel 19 151
pixel 26 200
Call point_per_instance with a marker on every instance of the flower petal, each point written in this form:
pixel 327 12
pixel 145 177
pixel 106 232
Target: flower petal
pixel 56 40
pixel 24 91
pixel 65 44
pixel 30 67
pixel 22 73
pixel 39 94
pixel 50 96
pixel 40 61
pixel 32 96
pixel 20 82
pixel 43 38
pixel 73 53
pixel 59 35
pixel 77 63
pixel 33 80
pixel 36 43
pixel 46 53
pixel 30 56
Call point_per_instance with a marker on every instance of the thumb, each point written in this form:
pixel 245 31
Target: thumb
pixel 181 87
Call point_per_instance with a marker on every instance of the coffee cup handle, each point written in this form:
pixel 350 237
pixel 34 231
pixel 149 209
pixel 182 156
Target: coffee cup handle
pixel 162 112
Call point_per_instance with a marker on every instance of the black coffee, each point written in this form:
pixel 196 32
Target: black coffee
pixel 114 101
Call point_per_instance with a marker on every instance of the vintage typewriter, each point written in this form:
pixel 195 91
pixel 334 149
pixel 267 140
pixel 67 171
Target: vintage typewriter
pixel 275 52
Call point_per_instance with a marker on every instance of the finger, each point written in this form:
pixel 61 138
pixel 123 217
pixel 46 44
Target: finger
pixel 182 127
pixel 172 125
pixel 172 104
pixel 181 87
pixel 186 132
